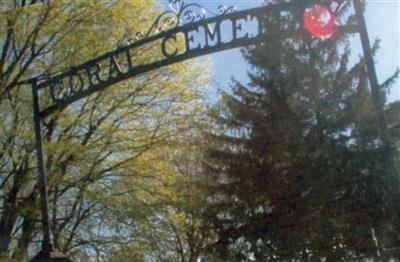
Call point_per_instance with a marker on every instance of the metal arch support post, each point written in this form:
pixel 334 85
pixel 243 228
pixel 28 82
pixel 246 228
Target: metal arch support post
pixel 47 253
pixel 375 90
pixel 46 244
pixel 394 179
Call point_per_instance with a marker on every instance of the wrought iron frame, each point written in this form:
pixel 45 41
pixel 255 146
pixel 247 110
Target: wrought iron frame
pixel 181 19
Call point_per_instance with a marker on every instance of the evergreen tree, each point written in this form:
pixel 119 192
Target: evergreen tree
pixel 297 170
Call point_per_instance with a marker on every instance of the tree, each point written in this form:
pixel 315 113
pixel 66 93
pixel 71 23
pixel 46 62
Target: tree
pixel 91 143
pixel 296 172
pixel 161 208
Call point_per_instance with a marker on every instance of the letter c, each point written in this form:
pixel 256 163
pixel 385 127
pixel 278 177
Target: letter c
pixel 164 46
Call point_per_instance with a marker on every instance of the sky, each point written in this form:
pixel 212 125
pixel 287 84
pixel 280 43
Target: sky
pixel 383 22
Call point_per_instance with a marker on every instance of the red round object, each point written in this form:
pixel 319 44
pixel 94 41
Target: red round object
pixel 320 21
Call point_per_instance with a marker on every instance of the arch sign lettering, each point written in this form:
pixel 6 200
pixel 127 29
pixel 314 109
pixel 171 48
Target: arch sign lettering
pixel 181 34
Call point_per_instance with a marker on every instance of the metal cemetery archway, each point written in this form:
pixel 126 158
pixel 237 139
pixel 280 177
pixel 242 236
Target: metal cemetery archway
pixel 179 35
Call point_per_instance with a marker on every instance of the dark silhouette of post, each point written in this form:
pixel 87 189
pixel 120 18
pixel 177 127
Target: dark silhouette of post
pixel 375 89
pixel 393 183
pixel 47 253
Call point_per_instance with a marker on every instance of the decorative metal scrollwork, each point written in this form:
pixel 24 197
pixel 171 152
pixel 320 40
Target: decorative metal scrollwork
pixel 181 13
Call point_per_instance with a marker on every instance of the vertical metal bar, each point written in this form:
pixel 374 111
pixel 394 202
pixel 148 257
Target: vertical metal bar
pixel 394 179
pixel 47 246
pixel 375 90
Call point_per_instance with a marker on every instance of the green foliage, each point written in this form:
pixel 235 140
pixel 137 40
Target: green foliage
pixel 298 170
pixel 162 205
pixel 101 141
